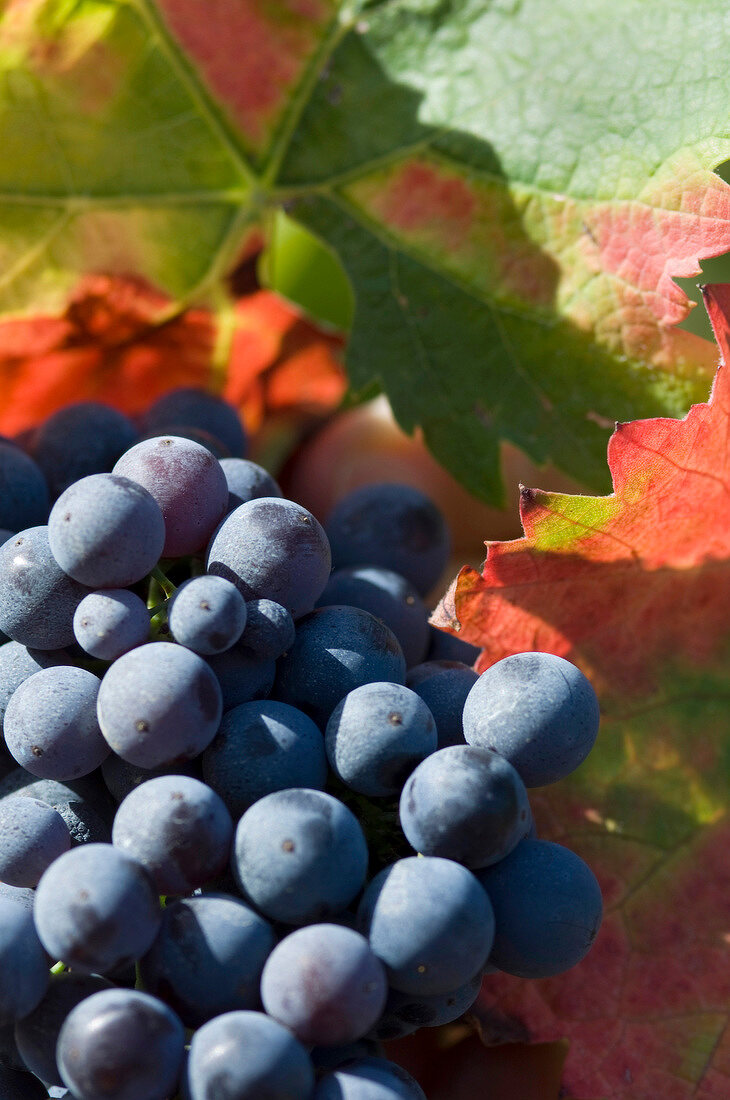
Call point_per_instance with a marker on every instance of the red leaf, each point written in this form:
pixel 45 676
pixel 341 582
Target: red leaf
pixel 635 588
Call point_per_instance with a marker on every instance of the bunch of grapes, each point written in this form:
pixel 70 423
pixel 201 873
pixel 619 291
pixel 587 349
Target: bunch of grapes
pixel 256 815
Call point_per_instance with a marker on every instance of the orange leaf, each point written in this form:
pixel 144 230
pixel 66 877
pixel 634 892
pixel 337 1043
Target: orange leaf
pixel 118 343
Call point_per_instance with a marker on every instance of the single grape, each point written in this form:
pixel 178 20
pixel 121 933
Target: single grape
pixel 260 747
pixel 444 686
pixel 32 835
pixel 197 408
pixel 325 984
pixel 108 624
pixel 538 711
pixel 208 957
pixel 269 629
pixel 158 704
pixel 178 829
pixel 247 1056
pixel 78 440
pixel 466 804
pixel 246 481
pixel 299 856
pixel 430 922
pixel 377 735
pixel 37 599
pixel 23 490
pixel 188 484
pixel 207 615
pixel 242 676
pixel 106 531
pixel 336 650
pixel 547 909
pixel 96 909
pixel 50 723
pixel 272 548
pixel 121 1044
pixel 393 526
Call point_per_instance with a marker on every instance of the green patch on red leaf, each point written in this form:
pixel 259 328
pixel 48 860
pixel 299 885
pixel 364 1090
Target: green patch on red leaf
pixel 635 588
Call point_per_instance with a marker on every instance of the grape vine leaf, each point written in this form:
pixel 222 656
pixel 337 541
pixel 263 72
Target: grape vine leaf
pixel 118 342
pixel 635 588
pixel 510 186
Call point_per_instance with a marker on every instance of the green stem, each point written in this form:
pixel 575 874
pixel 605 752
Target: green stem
pixel 166 585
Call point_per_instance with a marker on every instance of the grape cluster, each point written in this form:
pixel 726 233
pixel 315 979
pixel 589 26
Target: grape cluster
pixel 257 812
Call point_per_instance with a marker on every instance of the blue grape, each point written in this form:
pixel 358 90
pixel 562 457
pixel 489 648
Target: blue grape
pixel 37 599
pixel 376 736
pixel 299 856
pixel 246 481
pixel 538 711
pixel 430 921
pixel 24 972
pixel 78 440
pixel 444 686
pixel 207 615
pixel 208 957
pixel 50 723
pixel 178 829
pixel 17 663
pixel 272 548
pixel 393 526
pixel 247 1056
pixel 158 704
pixel 96 909
pixel 465 804
pixel 37 1033
pixel 197 408
pixel 269 629
pixel 32 835
pixel 547 909
pixel 242 676
pixel 23 490
pixel 106 531
pixel 369 1079
pixel 121 1044
pixel 336 650
pixel 108 624
pixel 325 984
pixel 388 596
pixel 188 484
pixel 260 747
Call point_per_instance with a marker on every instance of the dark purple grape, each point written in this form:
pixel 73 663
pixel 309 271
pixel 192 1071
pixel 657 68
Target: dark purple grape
pixel 325 984
pixel 121 1044
pixel 188 484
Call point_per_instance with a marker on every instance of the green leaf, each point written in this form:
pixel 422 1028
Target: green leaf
pixel 510 187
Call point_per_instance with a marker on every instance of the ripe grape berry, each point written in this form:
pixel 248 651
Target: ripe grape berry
pixel 245 788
